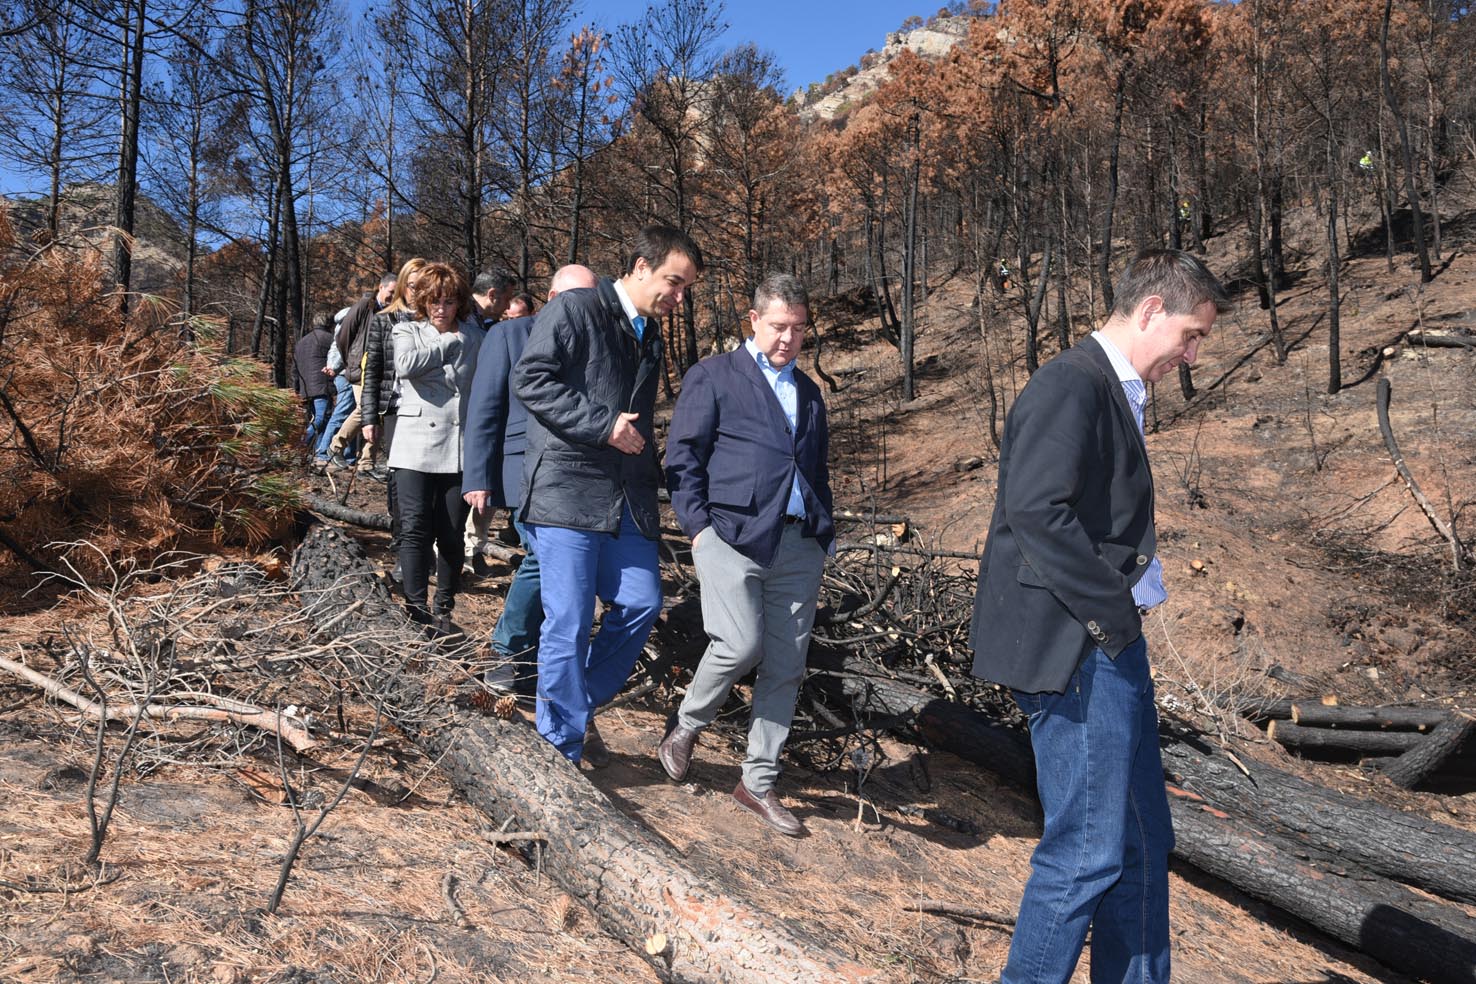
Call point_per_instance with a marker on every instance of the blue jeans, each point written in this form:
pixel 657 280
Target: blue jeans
pixel 576 675
pixel 317 408
pixel 343 406
pixel 515 639
pixel 1103 856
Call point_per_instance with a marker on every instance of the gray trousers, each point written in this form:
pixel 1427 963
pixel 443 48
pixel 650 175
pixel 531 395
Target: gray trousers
pixel 755 616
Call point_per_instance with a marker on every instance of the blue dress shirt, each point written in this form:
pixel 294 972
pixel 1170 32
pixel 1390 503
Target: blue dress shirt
pixel 781 381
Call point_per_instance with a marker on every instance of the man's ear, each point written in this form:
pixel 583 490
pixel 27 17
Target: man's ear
pixel 1147 308
pixel 642 268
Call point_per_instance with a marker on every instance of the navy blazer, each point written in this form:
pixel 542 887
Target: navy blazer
pixel 1072 530
pixel 496 420
pixel 731 456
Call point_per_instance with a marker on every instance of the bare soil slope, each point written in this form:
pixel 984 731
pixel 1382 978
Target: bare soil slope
pixel 1286 539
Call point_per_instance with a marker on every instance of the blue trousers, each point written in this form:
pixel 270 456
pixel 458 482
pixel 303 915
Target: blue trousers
pixel 342 407
pixel 1103 856
pixel 515 639
pixel 317 409
pixel 576 675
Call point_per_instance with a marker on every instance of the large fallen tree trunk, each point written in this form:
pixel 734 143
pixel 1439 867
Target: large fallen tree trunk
pixel 1310 820
pixel 686 925
pixel 1376 915
pixel 1404 846
pixel 1383 919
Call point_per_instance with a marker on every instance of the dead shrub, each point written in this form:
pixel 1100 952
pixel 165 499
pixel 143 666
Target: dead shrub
pixel 138 434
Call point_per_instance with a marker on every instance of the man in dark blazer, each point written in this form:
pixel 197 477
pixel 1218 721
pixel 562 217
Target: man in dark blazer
pixel 492 462
pixel 1067 573
pixel 746 463
pixel 588 379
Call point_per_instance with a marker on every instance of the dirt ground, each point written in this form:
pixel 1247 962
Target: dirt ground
pixel 1287 540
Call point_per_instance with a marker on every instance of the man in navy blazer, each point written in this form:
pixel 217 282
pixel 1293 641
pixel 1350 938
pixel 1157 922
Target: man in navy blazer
pixel 492 462
pixel 746 464
pixel 1067 573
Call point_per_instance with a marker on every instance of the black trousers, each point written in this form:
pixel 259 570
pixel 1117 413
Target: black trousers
pixel 431 510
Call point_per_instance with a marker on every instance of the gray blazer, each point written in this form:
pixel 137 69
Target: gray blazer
pixel 435 372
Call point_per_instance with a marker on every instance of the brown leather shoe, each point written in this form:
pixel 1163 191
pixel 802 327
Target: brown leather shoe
pixel 596 754
pixel 675 752
pixel 769 810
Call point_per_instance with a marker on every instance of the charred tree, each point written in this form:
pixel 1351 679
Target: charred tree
pixel 640 892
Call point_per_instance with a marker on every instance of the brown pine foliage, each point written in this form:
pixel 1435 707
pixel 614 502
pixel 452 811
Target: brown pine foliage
pixel 135 434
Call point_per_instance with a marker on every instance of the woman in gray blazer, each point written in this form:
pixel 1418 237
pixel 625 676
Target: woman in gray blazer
pixel 435 359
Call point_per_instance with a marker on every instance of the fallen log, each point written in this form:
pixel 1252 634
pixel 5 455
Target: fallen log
pixel 342 513
pixel 1376 915
pixel 1387 921
pixel 628 878
pixel 1295 736
pixel 1420 762
pixel 1406 847
pixel 1314 713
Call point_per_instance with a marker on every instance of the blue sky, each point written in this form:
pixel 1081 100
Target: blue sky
pixel 811 38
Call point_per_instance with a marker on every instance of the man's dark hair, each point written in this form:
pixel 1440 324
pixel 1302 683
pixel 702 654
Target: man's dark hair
pixel 493 283
pixel 1182 280
pixel 655 243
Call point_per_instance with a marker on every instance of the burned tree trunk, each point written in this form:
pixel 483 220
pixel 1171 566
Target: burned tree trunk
pixel 1385 920
pixel 690 928
pixel 1407 847
pixel 1315 714
pixel 1420 762
pixel 1355 742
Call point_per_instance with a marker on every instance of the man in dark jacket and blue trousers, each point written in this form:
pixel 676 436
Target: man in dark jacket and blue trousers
pixel 1067 574
pixel 492 473
pixel 588 379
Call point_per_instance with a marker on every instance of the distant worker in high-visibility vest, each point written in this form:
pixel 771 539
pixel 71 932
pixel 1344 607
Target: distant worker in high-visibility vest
pixel 1366 162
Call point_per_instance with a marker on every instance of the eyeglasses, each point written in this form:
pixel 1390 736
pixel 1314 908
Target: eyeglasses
pixel 798 330
pixel 441 302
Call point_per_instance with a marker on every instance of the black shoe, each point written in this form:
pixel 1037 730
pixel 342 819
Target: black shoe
pixel 398 574
pixel 595 753
pixel 379 473
pixel 445 630
pixel 480 567
pixel 337 463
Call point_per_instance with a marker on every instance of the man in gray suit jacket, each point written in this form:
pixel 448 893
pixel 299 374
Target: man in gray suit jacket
pixel 1067 573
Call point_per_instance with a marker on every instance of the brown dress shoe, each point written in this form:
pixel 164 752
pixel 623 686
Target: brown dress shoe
pixel 596 754
pixel 769 810
pixel 675 752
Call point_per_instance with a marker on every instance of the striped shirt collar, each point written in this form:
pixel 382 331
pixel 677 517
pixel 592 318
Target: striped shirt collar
pixel 1120 364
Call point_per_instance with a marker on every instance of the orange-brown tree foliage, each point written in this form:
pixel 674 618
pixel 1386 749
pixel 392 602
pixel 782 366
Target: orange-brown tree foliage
pixel 120 432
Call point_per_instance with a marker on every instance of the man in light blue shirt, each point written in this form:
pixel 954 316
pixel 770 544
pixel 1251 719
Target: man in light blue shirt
pixel 750 484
